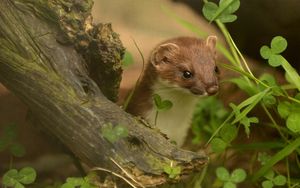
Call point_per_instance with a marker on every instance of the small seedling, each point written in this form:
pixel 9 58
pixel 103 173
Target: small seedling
pixel 223 12
pixel 113 133
pixel 230 180
pixel 273 180
pixel 172 171
pixel 17 179
pixel 161 105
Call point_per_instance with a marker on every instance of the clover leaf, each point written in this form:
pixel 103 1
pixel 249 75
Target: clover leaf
pixel 114 133
pixel 290 112
pixel 223 12
pixel 272 180
pixel 218 145
pixel 230 180
pixel 17 179
pixel 278 45
pixel 74 182
pixel 161 105
pixel 172 171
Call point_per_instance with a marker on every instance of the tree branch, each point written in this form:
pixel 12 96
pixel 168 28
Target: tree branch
pixel 39 63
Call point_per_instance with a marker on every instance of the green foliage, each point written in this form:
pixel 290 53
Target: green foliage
pixel 290 111
pixel 161 105
pixel 230 180
pixel 74 182
pixel 272 180
pixel 127 60
pixel 278 45
pixel 263 158
pixel 272 54
pixel 172 171
pixel 223 12
pixel 114 133
pixel 8 141
pixel 209 114
pixel 17 179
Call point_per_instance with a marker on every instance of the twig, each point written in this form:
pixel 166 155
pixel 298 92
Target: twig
pixel 127 174
pixel 115 174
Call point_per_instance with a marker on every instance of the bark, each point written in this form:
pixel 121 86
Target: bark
pixel 65 68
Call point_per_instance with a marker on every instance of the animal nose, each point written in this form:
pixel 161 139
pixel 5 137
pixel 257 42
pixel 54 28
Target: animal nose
pixel 211 90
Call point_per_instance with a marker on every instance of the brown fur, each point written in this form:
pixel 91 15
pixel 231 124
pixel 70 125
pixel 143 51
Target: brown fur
pixel 168 61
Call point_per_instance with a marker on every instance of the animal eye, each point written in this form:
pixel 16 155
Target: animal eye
pixel 187 74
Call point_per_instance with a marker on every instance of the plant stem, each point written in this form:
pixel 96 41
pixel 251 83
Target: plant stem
pixel 274 122
pixel 288 172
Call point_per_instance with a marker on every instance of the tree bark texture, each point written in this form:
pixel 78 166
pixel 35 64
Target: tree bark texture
pixel 65 68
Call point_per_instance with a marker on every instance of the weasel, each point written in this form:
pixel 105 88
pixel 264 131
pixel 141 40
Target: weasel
pixel 180 70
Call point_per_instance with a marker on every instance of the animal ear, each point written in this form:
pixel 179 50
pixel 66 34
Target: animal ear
pixel 211 42
pixel 163 53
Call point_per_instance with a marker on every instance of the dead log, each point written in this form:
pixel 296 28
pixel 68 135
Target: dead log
pixel 65 68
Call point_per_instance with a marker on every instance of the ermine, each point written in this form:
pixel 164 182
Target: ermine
pixel 179 70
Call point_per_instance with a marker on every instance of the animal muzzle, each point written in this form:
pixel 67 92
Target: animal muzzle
pixel 211 90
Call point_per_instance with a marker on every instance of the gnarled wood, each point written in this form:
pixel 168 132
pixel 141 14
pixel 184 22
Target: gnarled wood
pixel 55 60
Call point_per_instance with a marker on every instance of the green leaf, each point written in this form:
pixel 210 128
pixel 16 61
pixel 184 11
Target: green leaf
pixel 270 175
pixel 222 174
pixel 230 6
pixel 284 109
pixel 209 9
pixel 28 175
pixel 172 171
pixel 17 150
pixel 13 178
pixel 121 131
pixel 127 60
pixel 267 184
pixel 228 18
pixel 228 133
pixel 279 180
pixel 229 185
pixel 292 122
pixel 113 133
pixel 265 52
pixel 249 105
pixel 292 73
pixel 263 158
pixel 269 100
pixel 278 45
pixel 76 182
pixel 218 145
pixel 9 178
pixel 243 84
pixel 247 122
pixel 225 10
pixel 277 157
pixel 161 105
pixel 275 60
pixel 238 175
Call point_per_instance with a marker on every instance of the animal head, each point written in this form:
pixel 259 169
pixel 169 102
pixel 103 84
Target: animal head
pixel 189 63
